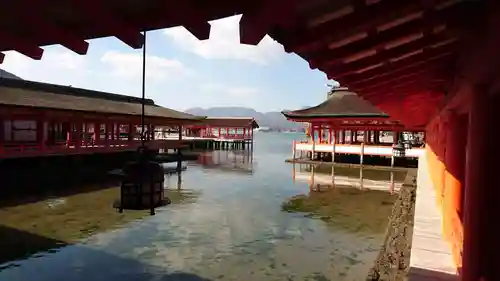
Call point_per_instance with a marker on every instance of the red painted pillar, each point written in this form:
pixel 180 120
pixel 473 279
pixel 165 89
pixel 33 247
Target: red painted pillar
pixel 97 133
pixel 329 134
pixel 244 133
pixel 2 131
pixel 454 161
pixel 352 136
pixel 313 133
pixel 456 142
pixel 395 137
pixel 69 134
pixel 40 133
pixel 78 134
pixel 219 133
pixel 108 133
pixel 130 132
pixel 481 210
pixel 320 133
pixel 85 127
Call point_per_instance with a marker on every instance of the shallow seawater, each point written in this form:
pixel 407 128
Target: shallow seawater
pixel 234 216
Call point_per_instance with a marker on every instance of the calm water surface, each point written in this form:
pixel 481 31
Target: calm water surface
pixel 234 218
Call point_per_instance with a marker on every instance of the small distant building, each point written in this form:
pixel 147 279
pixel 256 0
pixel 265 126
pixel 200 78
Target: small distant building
pixel 224 128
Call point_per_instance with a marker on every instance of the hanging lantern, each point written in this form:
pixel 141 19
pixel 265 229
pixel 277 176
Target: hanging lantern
pixel 398 150
pixel 142 185
pixel 143 179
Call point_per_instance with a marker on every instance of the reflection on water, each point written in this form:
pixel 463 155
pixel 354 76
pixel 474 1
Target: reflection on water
pixel 330 176
pixel 225 224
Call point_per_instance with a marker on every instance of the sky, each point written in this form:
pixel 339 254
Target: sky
pixel 183 72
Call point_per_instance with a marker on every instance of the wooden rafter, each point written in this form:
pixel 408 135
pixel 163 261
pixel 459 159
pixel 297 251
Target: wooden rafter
pixel 255 24
pixel 414 63
pixel 196 24
pixel 433 70
pixel 37 22
pixel 305 40
pixel 449 19
pixel 21 45
pixel 395 53
pixel 101 15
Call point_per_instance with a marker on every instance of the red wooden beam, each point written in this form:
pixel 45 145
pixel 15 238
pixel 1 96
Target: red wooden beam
pixel 100 15
pixel 21 45
pixel 452 18
pixel 412 63
pixel 195 23
pixel 338 71
pixel 367 17
pixel 402 89
pixel 431 71
pixel 255 25
pixel 67 39
pixel 418 76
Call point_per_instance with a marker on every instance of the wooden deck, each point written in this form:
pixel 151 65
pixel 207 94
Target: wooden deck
pixel 431 257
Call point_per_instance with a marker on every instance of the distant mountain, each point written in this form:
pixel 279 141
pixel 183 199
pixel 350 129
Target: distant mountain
pixel 6 74
pixel 273 120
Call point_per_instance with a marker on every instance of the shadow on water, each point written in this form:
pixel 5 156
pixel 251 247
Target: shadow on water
pixel 62 219
pixel 114 267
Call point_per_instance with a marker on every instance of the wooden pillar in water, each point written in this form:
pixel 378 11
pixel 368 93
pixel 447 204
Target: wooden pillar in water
pixel 362 154
pixel 179 153
pixel 333 148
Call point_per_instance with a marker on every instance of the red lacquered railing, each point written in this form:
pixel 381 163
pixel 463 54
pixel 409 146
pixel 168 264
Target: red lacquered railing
pixel 15 150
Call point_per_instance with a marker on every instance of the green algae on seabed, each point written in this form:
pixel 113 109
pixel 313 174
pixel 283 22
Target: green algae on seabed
pixel 29 228
pixel 351 209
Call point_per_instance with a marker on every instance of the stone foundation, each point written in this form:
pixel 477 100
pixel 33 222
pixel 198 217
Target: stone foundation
pixel 393 262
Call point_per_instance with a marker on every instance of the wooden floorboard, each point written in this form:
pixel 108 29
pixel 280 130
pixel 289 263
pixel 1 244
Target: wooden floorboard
pixel 431 257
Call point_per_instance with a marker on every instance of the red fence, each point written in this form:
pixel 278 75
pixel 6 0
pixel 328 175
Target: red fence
pixel 18 150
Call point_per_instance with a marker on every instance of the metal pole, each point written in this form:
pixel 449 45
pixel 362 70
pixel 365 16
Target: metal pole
pixel 143 101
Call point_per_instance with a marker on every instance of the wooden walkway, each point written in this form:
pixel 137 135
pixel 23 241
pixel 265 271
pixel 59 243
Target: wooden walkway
pixel 431 258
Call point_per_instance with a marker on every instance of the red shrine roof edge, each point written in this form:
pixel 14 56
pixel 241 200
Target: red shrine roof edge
pixel 341 103
pixel 25 93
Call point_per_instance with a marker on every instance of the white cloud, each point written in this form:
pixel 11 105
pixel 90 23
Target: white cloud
pixel 54 59
pixel 224 43
pixel 129 65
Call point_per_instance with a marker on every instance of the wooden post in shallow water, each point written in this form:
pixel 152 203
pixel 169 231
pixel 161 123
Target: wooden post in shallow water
pixel 333 149
pixel 294 149
pixel 391 187
pixel 361 177
pixel 362 153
